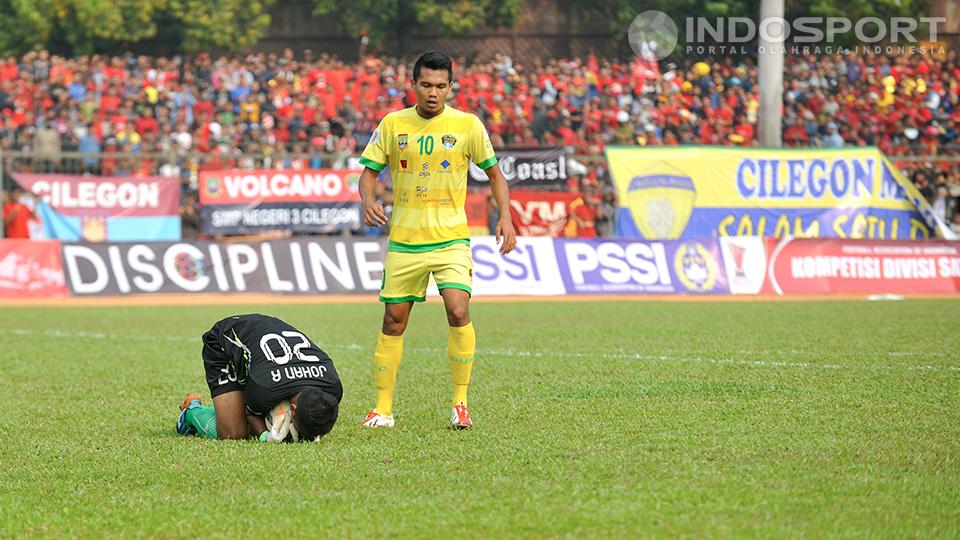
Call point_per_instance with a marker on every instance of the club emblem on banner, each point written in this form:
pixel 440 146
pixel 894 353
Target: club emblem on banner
pixel 448 141
pixel 695 267
pixel 93 228
pixel 402 140
pixel 212 186
pixel 661 204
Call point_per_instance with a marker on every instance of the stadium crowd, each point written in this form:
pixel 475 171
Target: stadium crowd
pixel 313 110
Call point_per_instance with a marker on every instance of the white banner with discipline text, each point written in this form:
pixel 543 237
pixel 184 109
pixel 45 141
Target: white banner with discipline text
pixel 314 266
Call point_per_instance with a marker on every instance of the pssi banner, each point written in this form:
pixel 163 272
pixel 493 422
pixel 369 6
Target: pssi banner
pixel 301 201
pixel 104 208
pixel 629 267
pixel 709 192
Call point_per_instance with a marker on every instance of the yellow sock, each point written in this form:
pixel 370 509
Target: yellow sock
pixel 386 362
pixel 461 344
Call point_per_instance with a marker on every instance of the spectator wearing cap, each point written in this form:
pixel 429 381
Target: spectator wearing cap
pixel 832 138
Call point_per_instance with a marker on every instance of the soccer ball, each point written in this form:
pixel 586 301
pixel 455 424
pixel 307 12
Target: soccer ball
pixel 280 424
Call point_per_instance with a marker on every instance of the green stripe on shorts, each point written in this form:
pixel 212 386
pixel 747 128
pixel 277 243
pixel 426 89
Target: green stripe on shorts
pixel 460 286
pixel 402 299
pixel 423 248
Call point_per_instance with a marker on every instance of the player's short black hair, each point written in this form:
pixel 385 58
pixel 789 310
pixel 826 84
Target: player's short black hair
pixel 316 413
pixel 433 60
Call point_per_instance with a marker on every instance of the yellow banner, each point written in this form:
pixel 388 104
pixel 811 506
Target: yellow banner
pixel 695 191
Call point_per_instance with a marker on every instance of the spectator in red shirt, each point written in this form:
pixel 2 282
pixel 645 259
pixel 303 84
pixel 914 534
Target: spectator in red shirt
pixel 582 217
pixel 16 216
pixel 146 122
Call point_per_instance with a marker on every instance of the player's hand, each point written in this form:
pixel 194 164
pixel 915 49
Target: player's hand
pixel 505 230
pixel 373 214
pixel 279 423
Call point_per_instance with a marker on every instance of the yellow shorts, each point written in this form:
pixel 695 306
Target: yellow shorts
pixel 405 275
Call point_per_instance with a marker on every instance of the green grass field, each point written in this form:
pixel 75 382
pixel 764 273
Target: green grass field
pixel 600 420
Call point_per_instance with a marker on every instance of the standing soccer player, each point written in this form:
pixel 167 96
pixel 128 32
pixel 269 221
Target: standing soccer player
pixel 429 148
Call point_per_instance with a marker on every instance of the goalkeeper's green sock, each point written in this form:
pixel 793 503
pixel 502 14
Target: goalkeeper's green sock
pixel 204 420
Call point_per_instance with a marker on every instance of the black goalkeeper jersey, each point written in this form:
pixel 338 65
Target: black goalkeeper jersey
pixel 267 359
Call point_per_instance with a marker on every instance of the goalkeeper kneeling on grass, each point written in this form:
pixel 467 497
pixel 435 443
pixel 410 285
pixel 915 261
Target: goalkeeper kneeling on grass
pixel 261 369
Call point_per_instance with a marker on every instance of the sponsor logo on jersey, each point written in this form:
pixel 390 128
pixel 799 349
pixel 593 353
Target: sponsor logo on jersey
pixel 448 141
pixel 425 171
pixel 402 140
pixel 403 164
pixel 444 164
pixel 375 138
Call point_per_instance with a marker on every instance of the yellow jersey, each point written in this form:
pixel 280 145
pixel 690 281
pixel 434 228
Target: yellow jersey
pixel 429 160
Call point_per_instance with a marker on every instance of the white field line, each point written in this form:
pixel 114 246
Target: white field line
pixel 609 355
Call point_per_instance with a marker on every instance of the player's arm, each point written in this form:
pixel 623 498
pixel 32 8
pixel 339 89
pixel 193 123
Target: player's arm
pixel 231 413
pixel 373 213
pixel 501 193
pixel 256 424
pixel 374 159
pixel 481 153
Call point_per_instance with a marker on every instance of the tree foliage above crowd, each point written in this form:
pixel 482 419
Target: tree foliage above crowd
pixel 618 14
pixel 393 20
pixel 87 26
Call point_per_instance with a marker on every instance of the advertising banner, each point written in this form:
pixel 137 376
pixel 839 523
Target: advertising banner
pixel 304 217
pixel 301 201
pixel 538 266
pixel 803 266
pixel 31 268
pixel 106 208
pixel 708 192
pixel 319 265
pixel 530 269
pixel 542 167
pixel 539 213
pixel 745 262
pixel 625 266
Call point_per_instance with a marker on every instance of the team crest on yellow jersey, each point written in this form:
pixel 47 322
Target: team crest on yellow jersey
pixel 448 141
pixel 402 141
